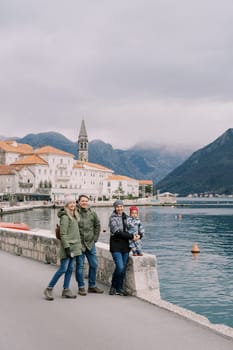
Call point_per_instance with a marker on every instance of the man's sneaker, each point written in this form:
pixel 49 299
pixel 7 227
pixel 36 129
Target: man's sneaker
pixel 66 293
pixel 122 293
pixel 48 292
pixel 112 291
pixel 82 291
pixel 95 290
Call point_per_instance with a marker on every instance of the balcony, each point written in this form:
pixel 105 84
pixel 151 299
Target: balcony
pixel 62 178
pixel 25 184
pixel 61 166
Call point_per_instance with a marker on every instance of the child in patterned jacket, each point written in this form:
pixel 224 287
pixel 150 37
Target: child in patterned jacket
pixel 135 227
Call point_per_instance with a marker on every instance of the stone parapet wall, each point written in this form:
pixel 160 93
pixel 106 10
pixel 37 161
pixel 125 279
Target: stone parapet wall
pixel 141 276
pixel 30 245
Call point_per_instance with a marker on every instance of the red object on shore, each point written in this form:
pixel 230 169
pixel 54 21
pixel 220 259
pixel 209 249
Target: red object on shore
pixel 15 226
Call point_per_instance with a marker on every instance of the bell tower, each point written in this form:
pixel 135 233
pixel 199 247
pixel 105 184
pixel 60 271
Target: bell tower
pixel 83 143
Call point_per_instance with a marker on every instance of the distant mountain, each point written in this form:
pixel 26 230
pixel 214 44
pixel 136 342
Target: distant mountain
pixel 50 138
pixel 209 169
pixel 139 162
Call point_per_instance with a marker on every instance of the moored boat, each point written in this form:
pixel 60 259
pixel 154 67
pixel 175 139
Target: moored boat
pixel 15 225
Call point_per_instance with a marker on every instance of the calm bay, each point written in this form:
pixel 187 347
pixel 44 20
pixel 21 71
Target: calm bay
pixel 201 283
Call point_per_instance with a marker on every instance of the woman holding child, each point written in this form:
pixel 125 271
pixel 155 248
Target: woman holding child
pixel 119 246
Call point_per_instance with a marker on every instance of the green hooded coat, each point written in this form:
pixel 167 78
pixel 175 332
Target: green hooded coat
pixel 70 235
pixel 89 227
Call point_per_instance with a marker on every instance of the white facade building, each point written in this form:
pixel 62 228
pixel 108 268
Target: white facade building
pixel 116 186
pixel 55 173
pixel 10 151
pixel 7 179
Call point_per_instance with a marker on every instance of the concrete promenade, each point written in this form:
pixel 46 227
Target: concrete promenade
pixel 100 322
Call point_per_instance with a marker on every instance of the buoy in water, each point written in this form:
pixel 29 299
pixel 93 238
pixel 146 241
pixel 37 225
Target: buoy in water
pixel 195 248
pixel 179 216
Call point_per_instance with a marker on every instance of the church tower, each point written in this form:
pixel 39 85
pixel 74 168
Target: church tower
pixel 83 143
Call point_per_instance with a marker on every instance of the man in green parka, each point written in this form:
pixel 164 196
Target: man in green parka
pixel 89 227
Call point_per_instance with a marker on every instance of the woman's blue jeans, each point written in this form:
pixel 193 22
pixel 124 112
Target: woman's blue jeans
pixel 120 260
pixel 93 264
pixel 66 267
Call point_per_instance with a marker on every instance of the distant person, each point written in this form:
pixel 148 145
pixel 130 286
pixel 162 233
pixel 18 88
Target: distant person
pixel 135 227
pixel 119 247
pixel 89 226
pixel 70 248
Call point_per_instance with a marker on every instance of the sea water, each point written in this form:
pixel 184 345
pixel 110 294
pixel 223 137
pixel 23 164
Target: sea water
pixel 203 282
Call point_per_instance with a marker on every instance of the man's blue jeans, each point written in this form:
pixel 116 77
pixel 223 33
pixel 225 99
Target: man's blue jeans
pixel 93 264
pixel 120 260
pixel 66 267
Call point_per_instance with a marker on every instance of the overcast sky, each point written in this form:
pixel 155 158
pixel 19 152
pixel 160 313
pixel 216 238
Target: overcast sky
pixel 159 71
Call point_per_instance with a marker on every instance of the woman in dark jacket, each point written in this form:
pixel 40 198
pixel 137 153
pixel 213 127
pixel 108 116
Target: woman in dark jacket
pixel 119 247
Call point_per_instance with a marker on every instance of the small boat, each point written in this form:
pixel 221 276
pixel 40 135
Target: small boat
pixel 15 226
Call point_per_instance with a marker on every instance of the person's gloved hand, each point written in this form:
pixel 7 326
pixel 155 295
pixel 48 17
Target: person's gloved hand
pixel 68 252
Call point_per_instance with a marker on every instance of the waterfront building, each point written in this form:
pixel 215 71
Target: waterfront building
pixel 91 178
pixel 27 180
pixel 56 177
pixel 145 188
pixel 7 182
pixel 119 186
pixel 10 151
pixel 50 172
pixel 166 198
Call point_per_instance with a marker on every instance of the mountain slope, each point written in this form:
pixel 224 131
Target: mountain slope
pixel 50 138
pixel 208 170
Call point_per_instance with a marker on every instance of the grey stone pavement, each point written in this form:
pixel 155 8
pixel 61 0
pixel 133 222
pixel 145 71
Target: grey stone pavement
pixel 98 322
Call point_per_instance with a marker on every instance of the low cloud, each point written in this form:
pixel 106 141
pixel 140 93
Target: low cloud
pixel 151 71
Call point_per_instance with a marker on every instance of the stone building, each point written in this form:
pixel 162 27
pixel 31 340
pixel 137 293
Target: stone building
pixel 48 171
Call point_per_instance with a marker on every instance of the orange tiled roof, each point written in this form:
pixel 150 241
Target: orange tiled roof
pixel 30 160
pixel 78 165
pixel 120 177
pixel 145 182
pixel 52 150
pixel 18 167
pixel 6 170
pixel 15 147
pixel 81 164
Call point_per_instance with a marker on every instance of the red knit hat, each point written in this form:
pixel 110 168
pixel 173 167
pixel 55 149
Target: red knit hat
pixel 133 208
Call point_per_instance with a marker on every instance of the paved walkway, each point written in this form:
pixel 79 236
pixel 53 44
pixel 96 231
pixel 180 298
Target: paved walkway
pixel 98 322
